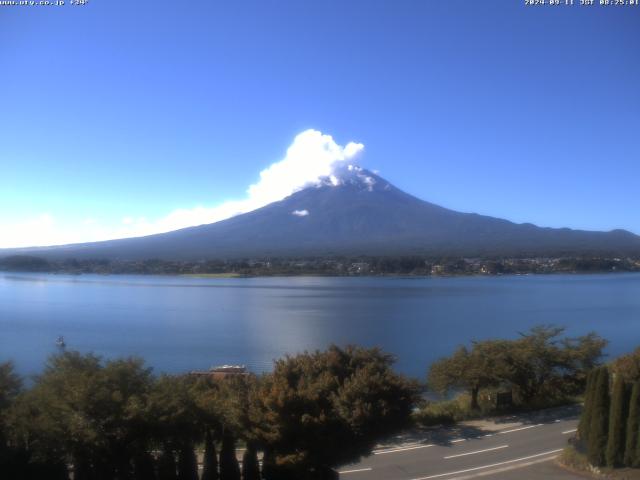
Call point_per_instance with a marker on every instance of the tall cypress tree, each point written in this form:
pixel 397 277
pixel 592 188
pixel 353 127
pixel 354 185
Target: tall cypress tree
pixel 250 466
pixel 82 469
pixel 167 465
pixel 637 453
pixel 617 423
pixel 585 418
pixel 229 468
pixel 143 466
pixel 598 430
pixel 631 458
pixel 187 463
pixel 210 461
pixel 268 465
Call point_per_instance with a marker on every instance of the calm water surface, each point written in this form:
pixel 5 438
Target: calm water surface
pixel 180 323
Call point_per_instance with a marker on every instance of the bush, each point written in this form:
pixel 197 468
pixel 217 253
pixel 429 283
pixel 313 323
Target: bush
pixel 444 412
pixel 573 459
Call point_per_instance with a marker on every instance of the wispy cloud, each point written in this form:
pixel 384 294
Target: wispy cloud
pixel 311 156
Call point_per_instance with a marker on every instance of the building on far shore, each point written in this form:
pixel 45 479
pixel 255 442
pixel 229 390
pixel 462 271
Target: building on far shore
pixel 221 372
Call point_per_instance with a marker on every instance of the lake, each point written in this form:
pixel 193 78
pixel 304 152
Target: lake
pixel 182 323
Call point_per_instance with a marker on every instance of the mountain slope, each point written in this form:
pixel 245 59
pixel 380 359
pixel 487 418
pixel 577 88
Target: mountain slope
pixel 353 213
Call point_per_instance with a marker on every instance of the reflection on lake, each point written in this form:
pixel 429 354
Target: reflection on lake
pixel 182 323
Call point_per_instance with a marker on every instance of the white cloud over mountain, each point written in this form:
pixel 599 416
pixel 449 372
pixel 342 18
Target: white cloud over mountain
pixel 311 156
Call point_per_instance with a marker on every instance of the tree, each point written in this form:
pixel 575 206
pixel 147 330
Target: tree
pixel 63 407
pixel 617 423
pixel 167 464
pixel 538 364
pixel 34 452
pixel 543 364
pixel 250 466
pixel 174 418
pixel 10 387
pixel 587 411
pixel 632 446
pixel 238 419
pixel 598 430
pixel 89 411
pixel 210 461
pixel 143 466
pixel 582 355
pixel 628 366
pixel 471 370
pixel 12 459
pixel 269 468
pixel 324 409
pixel 187 463
pixel 229 468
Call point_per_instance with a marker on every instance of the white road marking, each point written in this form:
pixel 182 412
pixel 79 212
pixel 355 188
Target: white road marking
pixel 459 440
pixel 570 431
pixel 402 445
pixel 505 469
pixel 488 435
pixel 355 470
pixel 489 466
pixel 403 449
pixel 477 451
pixel 521 428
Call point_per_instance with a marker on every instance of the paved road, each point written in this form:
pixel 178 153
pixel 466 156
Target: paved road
pixel 523 450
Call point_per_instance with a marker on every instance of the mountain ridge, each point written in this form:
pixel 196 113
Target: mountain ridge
pixel 352 212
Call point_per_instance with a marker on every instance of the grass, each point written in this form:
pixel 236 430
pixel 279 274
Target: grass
pixel 214 275
pixel 458 409
pixel 447 412
pixel 576 461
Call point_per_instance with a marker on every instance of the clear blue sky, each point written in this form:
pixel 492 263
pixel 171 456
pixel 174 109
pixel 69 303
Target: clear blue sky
pixel 127 109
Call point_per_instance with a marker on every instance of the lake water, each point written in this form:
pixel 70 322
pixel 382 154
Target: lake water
pixel 180 323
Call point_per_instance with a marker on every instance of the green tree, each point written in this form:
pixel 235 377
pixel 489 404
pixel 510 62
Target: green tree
pixel 587 411
pixel 581 356
pixel 210 460
pixel 617 423
pixel 598 430
pixel 628 366
pixel 632 446
pixel 174 417
pixel 250 466
pixel 12 461
pixel 10 387
pixel 539 364
pixel 229 467
pixel 236 415
pixel 471 370
pixel 143 466
pixel 167 469
pixel 187 463
pixel 269 468
pixel 324 409
pixel 542 364
pixel 90 410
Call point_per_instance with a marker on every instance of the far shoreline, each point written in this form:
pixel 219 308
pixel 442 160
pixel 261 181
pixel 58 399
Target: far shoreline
pixel 224 276
pixel 414 266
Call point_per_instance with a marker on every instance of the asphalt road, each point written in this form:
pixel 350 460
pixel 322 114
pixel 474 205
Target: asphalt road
pixel 522 451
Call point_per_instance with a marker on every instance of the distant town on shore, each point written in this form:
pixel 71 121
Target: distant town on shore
pixel 339 266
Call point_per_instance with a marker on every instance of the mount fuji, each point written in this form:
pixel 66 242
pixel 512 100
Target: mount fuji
pixel 352 212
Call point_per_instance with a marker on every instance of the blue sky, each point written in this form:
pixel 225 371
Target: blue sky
pixel 118 114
